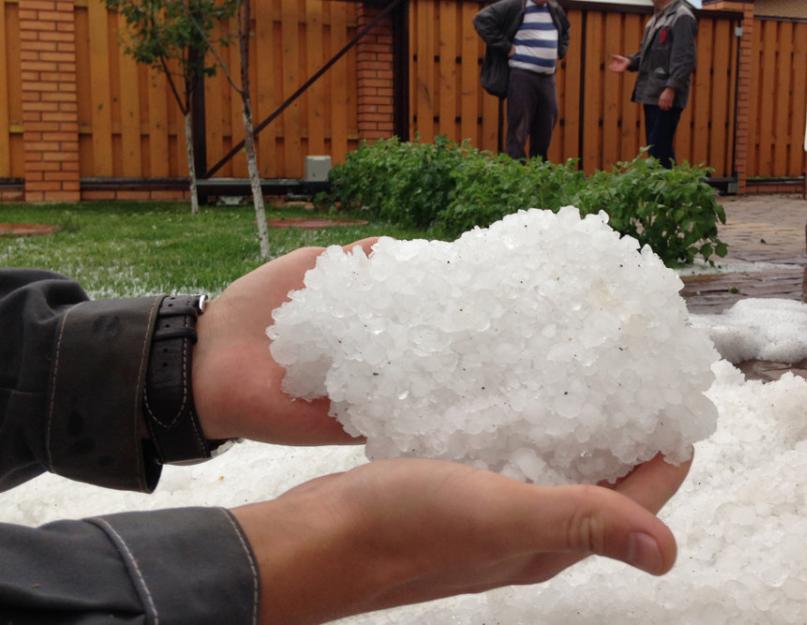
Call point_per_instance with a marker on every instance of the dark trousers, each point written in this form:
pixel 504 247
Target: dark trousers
pixel 532 109
pixel 660 126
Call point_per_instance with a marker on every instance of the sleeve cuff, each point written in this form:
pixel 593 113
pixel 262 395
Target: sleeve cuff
pixel 190 566
pixel 95 429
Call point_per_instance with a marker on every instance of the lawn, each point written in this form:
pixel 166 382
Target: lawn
pixel 125 249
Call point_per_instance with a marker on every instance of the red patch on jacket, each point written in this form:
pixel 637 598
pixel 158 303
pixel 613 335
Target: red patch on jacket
pixel 663 35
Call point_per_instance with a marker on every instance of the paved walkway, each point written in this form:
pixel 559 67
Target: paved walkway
pixel 759 229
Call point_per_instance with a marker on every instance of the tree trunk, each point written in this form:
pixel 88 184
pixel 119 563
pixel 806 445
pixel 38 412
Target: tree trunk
pixel 191 163
pixel 255 179
pixel 249 132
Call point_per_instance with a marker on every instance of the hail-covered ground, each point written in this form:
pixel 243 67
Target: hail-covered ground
pixel 740 519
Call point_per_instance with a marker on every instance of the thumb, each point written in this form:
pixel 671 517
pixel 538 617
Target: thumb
pixel 585 520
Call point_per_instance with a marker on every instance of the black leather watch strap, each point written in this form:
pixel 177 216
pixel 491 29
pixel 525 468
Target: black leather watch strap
pixel 168 396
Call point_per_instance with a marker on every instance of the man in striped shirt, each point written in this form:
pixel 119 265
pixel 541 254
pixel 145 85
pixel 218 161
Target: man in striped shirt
pixel 525 41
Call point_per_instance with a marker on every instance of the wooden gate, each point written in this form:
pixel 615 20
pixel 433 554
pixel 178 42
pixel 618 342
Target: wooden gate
pixel 597 121
pixel 130 125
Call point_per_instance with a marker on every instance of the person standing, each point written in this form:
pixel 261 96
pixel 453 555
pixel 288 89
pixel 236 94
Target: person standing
pixel 665 64
pixel 525 40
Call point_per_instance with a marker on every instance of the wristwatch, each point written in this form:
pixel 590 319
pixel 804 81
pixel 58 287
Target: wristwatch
pixel 168 406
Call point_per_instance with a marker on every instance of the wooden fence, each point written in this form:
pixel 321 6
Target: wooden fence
pixel 597 123
pixel 11 140
pixel 778 99
pixel 129 125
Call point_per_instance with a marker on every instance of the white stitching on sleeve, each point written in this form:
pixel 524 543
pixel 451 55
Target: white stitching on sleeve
pixel 138 414
pixel 54 376
pixel 252 566
pixel 140 579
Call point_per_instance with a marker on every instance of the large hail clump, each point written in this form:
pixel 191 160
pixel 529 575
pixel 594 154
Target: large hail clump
pixel 545 347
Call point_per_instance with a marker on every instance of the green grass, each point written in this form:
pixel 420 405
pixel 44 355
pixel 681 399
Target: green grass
pixel 125 249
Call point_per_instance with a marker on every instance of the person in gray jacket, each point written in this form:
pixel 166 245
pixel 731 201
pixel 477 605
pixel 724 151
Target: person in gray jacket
pixel 108 391
pixel 525 41
pixel 665 63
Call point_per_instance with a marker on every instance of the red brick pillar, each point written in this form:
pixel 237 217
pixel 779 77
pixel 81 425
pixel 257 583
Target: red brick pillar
pixel 375 82
pixel 50 109
pixel 743 142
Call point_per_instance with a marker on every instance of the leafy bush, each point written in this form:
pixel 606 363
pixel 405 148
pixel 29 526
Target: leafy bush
pixel 404 183
pixel 452 188
pixel 674 211
pixel 489 187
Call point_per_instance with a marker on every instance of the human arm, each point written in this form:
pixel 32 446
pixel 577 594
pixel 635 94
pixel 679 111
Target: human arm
pixel 619 63
pixel 406 531
pixel 489 25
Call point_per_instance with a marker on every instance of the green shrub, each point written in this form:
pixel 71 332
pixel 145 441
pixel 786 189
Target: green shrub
pixel 489 187
pixel 452 188
pixel 674 211
pixel 404 183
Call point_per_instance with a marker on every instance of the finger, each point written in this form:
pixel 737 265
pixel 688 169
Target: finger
pixel 654 483
pixel 582 520
pixel 365 244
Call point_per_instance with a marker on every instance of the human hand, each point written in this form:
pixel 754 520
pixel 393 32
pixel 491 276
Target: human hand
pixel 404 531
pixel 666 99
pixel 236 383
pixel 618 63
pixel 511 52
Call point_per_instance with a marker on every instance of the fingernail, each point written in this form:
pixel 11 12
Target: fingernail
pixel 643 553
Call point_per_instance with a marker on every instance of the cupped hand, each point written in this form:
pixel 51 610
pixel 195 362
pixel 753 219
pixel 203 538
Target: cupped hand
pixel 236 383
pixel 405 531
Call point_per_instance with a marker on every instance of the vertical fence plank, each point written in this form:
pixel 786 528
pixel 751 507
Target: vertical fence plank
pixel 630 140
pixel 703 92
pixel 292 117
pixel 611 102
pixel 101 104
pixel 768 71
pixel 448 68
pixel 132 161
pixel 158 125
pixel 571 114
pixel 592 119
pixel 782 136
pixel 424 83
pixel 470 75
pixel 796 161
pixel 5 97
pixel 720 96
pixel 731 125
pixel 266 97
pixel 339 138
pixel 317 94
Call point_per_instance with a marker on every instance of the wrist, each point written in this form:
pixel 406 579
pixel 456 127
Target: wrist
pixel 312 556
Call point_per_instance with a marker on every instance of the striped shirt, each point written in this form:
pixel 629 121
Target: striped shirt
pixel 536 42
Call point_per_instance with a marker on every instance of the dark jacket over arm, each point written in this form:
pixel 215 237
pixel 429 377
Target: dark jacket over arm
pixel 71 383
pixel 497 25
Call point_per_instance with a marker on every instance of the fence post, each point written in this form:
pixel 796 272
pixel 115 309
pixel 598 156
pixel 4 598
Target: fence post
pixel 375 65
pixel 743 141
pixel 50 106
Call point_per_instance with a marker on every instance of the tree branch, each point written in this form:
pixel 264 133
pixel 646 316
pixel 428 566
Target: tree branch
pixel 219 61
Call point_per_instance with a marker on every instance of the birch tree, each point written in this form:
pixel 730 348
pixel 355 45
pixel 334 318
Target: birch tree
pixel 178 34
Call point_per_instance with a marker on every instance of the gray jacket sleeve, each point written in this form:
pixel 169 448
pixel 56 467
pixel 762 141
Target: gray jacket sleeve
pixel 71 379
pixel 489 26
pixel 682 56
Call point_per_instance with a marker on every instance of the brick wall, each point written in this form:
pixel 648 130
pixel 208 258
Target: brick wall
pixel 50 108
pixel 742 140
pixel 375 78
